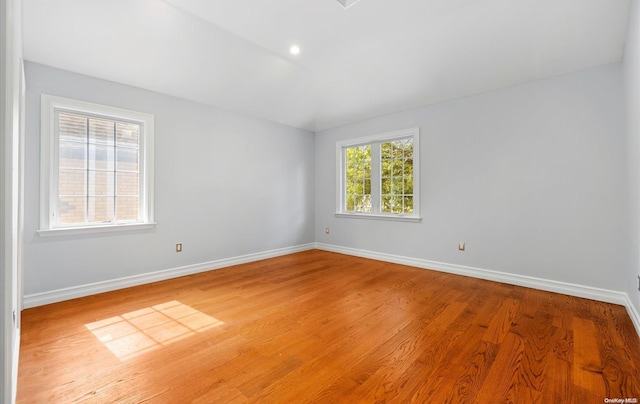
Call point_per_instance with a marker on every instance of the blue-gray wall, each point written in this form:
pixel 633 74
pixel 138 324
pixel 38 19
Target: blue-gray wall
pixel 226 185
pixel 531 177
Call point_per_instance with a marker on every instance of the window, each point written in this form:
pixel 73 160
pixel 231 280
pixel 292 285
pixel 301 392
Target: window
pixel 378 176
pixel 96 168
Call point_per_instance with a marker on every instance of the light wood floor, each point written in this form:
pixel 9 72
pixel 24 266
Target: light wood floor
pixel 324 327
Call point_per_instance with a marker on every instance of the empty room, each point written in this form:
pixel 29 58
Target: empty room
pixel 320 201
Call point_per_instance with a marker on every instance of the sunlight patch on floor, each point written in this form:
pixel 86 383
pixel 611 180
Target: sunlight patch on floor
pixel 132 334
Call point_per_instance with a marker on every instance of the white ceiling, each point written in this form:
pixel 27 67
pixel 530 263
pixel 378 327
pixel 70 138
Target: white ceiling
pixel 375 58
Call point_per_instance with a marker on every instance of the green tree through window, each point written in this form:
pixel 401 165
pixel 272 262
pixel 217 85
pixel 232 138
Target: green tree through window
pixel 397 176
pixel 358 179
pixel 379 176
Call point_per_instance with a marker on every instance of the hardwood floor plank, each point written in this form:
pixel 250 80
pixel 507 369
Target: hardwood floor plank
pixel 617 377
pixel 325 327
pixel 587 369
pixel 502 321
pixel 438 384
pixel 357 341
pixel 470 380
pixel 397 354
pixel 537 334
pixel 558 383
pixel 504 374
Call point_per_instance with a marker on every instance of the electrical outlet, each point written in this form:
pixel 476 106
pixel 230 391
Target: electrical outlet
pixel 179 247
pixel 461 245
pixel 326 230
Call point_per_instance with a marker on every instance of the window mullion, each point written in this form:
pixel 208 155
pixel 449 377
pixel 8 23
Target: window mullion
pixel 86 184
pixel 141 182
pixel 375 177
pixel 54 186
pixel 115 171
pixel 344 179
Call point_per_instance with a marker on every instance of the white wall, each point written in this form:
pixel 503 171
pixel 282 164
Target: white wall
pixel 631 66
pixel 226 185
pixel 531 177
pixel 10 208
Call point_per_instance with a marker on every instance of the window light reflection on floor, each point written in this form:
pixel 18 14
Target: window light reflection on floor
pixel 144 330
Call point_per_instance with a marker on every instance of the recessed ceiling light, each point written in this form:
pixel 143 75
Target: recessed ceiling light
pixel 348 3
pixel 295 49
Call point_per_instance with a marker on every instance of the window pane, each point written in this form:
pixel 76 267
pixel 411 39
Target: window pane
pixel 396 149
pixel 408 148
pixel 72 127
pixel 351 203
pixel 385 205
pixel 396 168
pixel 100 209
pixel 72 182
pixel 101 183
pixel 127 159
pixel 101 157
pixel 358 155
pixel 71 209
pixel 386 186
pixel 408 167
pixel 397 186
pixel 386 168
pixel 127 208
pixel 385 150
pixel 358 179
pixel 72 155
pixel 408 204
pixel 127 134
pixel 366 203
pixel 351 156
pixel 396 204
pixel 408 185
pixel 366 167
pixel 359 203
pixel 101 131
pixel 126 184
pixel 351 187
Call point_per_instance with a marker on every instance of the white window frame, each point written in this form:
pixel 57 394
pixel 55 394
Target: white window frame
pixel 375 141
pixel 49 165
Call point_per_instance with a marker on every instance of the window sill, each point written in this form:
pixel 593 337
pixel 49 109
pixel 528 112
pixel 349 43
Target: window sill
pixel 372 216
pixel 70 231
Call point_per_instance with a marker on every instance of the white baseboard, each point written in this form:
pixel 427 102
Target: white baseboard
pixel 39 299
pixel 588 292
pixel 571 289
pixel 633 313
